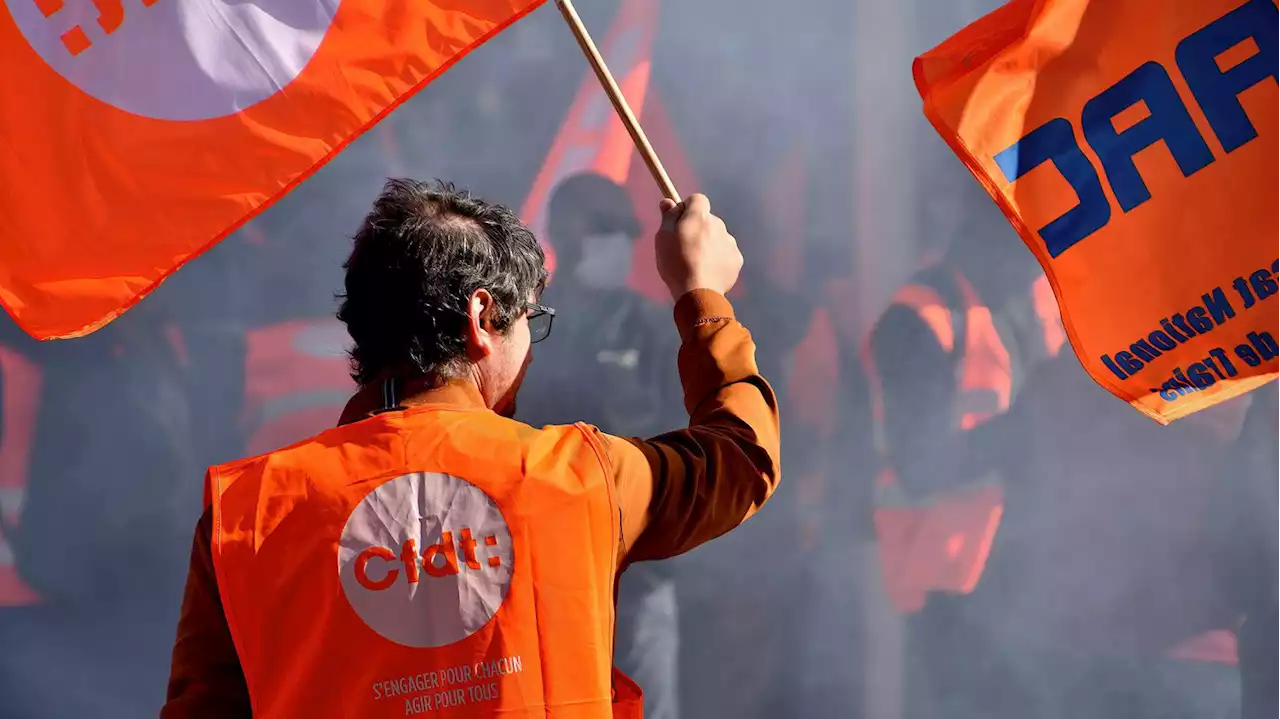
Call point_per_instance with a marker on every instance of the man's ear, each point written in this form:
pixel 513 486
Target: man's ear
pixel 480 332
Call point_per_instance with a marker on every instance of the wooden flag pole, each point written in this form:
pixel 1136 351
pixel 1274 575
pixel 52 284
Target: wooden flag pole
pixel 619 102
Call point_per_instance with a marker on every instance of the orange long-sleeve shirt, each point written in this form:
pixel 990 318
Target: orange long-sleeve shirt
pixel 675 491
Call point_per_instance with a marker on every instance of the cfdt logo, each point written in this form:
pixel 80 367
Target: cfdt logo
pixel 425 559
pixel 176 59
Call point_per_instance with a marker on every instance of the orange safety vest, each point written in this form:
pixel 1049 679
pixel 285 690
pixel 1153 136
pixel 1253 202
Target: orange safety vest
pixel 941 543
pixel 430 561
pixel 22 380
pixel 812 387
pixel 297 380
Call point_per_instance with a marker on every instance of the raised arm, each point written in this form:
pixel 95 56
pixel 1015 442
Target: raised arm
pixel 686 487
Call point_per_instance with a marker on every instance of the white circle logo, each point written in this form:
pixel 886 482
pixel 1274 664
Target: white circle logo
pixel 425 559
pixel 176 59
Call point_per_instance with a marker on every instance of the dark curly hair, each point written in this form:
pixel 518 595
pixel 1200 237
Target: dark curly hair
pixel 418 257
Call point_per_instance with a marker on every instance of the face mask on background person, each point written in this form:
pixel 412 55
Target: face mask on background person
pixel 606 261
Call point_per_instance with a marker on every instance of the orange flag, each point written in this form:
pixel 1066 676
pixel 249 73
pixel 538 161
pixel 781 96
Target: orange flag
pixel 1133 144
pixel 592 138
pixel 133 136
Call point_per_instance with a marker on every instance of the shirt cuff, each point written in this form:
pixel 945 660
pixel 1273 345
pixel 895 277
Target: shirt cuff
pixel 697 308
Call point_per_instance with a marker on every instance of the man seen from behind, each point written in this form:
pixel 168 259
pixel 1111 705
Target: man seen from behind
pixel 432 555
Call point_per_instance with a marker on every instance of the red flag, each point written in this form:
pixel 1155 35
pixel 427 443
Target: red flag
pixel 592 138
pixel 133 137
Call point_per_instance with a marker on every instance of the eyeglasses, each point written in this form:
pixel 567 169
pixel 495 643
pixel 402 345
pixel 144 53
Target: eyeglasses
pixel 540 319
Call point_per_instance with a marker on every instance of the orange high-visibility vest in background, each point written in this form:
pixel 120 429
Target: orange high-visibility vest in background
pixel 136 135
pixel 429 561
pixel 297 380
pixel 21 381
pixel 1133 145
pixel 813 390
pixel 941 542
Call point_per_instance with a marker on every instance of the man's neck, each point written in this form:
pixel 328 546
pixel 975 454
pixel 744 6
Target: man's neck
pixel 371 399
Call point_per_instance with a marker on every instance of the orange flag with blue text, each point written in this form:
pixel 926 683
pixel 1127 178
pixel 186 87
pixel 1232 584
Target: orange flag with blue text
pixel 1133 145
pixel 133 136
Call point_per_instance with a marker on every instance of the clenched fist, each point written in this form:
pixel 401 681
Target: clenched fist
pixel 694 249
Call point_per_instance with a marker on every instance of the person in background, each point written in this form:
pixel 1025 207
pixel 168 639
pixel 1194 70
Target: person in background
pixel 944 362
pixel 442 303
pixel 846 558
pixel 21 382
pixel 296 254
pixel 785 312
pixel 208 302
pixel 103 528
pixel 848 510
pixel 292 360
pixel 21 390
pixel 746 632
pixel 1104 595
pixel 1247 516
pixel 612 367
pixel 615 337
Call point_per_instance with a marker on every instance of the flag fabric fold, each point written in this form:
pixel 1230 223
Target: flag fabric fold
pixel 134 137
pixel 1132 144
